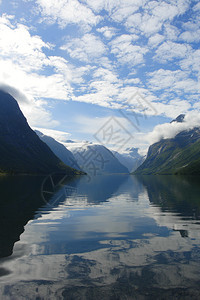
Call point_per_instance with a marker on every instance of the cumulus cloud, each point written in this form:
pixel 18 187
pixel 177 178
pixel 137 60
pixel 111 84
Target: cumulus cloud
pixel 171 32
pixel 155 40
pixel 85 49
pixel 169 51
pixel 190 36
pixel 126 52
pixel 170 130
pixel 105 64
pixel 154 16
pixel 178 82
pixel 144 24
pixel 108 32
pixel 192 62
pixel 66 12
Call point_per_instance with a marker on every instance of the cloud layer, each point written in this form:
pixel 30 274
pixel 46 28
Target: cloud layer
pixel 170 130
pixel 102 52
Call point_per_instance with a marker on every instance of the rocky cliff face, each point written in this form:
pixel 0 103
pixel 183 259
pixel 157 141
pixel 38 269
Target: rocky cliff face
pixel 21 150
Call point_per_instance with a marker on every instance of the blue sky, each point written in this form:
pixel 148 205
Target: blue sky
pixel 75 64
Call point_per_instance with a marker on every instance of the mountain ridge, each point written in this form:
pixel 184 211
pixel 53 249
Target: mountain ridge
pixel 178 155
pixel 21 150
pixel 59 150
pixel 96 159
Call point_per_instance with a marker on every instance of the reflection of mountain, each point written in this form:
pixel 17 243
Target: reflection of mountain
pixel 112 251
pixel 174 193
pixel 20 197
pixel 100 188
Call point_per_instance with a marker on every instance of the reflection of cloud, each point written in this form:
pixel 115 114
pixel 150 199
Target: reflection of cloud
pixel 132 248
pixel 157 265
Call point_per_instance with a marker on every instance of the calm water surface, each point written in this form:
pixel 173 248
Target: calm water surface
pixel 110 237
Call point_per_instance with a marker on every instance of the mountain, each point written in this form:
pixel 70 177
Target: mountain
pixel 95 159
pixel 21 150
pixel 130 158
pixel 179 119
pixel 178 155
pixel 59 150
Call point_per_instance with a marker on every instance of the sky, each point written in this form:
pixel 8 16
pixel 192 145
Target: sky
pixel 106 71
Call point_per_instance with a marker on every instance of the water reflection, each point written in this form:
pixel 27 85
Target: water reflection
pixel 18 202
pixel 114 237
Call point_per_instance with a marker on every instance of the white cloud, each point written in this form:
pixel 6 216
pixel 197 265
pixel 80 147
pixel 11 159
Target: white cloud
pixel 58 135
pixel 171 32
pixel 162 79
pixel 172 108
pixel 33 84
pixel 21 62
pixel 65 12
pixel 126 9
pixel 117 9
pixel 154 15
pixel 17 43
pixel 37 114
pixel 169 51
pixel 177 82
pixel 126 52
pixel 167 11
pixel 98 5
pixel 196 7
pixel 190 36
pixel 33 110
pixel 15 93
pixel 108 32
pixel 85 49
pixel 170 130
pixel 155 40
pixel 133 81
pixel 192 62
pixel 146 24
pixel 26 65
pixel 70 73
pixel 101 92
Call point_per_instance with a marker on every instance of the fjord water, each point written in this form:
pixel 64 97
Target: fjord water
pixel 107 237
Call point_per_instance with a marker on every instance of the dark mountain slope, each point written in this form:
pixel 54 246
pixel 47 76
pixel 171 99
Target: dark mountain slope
pixel 21 150
pixel 59 150
pixel 179 155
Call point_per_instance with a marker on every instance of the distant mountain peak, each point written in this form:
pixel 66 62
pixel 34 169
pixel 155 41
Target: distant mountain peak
pixel 179 119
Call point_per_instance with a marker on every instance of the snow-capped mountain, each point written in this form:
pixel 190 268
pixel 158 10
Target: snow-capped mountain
pixel 95 159
pixel 130 158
